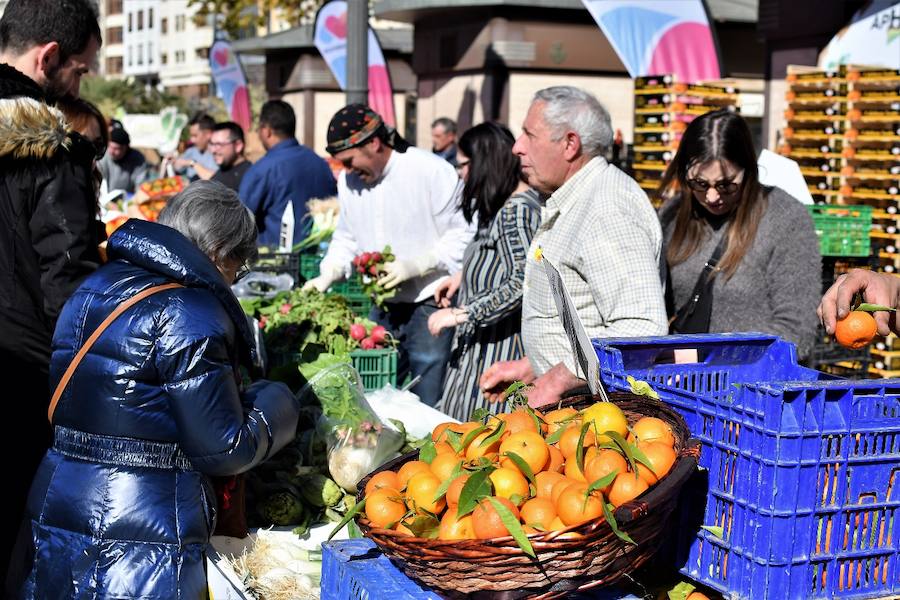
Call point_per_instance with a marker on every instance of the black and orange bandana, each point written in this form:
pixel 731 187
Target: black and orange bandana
pixel 355 124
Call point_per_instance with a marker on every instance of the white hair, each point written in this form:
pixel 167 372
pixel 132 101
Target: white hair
pixel 568 108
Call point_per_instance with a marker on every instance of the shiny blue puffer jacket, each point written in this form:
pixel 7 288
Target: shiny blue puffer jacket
pixel 115 517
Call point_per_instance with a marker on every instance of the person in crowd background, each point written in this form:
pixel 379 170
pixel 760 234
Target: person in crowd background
pixel 289 172
pixel 443 139
pixel 227 147
pixel 197 162
pixel 876 288
pixel 155 407
pixel 598 229
pixel 768 278
pixel 88 122
pixel 50 236
pixel 488 289
pixel 393 194
pixel 123 167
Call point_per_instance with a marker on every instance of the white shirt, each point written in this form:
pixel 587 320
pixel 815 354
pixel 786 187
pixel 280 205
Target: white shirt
pixel 600 231
pixel 414 209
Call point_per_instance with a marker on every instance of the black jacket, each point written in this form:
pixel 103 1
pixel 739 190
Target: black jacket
pixel 48 218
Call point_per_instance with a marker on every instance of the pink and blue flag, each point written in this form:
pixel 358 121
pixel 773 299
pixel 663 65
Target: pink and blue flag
pixel 231 83
pixel 655 37
pixel 331 41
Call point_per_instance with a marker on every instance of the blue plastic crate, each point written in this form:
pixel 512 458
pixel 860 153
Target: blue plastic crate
pixel 357 570
pixel 803 469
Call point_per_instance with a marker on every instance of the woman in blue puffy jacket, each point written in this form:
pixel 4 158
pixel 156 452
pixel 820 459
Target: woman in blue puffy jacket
pixel 122 505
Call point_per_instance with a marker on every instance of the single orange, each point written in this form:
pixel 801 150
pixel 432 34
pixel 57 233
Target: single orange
pixel 575 506
pixel 561 417
pixel 539 512
pixel 403 527
pixel 855 330
pixel 571 467
pixel 382 479
pixel 529 446
pixel 601 465
pixel 605 416
pixel 443 465
pixel 455 489
pixel 697 596
pixel 545 481
pixel 556 460
pixel 627 486
pixel 384 507
pixel 486 521
pixel 661 456
pixel 509 483
pixel 560 486
pixel 411 468
pixel 444 448
pixel 651 429
pixel 568 443
pixel 421 490
pixel 475 448
pixel 519 420
pixel 453 528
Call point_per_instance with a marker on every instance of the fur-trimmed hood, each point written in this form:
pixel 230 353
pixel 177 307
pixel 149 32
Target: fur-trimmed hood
pixel 30 129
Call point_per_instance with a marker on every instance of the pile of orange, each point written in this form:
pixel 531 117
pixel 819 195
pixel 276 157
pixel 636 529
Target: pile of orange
pixel 535 466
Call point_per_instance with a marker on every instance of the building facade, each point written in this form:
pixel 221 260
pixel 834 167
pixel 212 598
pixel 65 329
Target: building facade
pixel 184 50
pixel 111 61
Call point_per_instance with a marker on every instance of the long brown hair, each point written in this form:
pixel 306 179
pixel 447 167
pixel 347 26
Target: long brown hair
pixel 715 136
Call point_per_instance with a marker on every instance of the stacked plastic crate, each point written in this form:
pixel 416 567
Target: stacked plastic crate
pixel 843 128
pixel 663 107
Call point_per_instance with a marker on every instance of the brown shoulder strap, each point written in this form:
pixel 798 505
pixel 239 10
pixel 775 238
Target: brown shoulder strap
pixel 90 341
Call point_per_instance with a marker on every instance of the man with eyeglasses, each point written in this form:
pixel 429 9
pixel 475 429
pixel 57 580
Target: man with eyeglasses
pixel 227 147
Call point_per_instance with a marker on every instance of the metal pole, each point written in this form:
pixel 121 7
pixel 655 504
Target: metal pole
pixel 358 51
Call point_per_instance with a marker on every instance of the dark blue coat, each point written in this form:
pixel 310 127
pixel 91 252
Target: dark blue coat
pixel 288 171
pixel 163 371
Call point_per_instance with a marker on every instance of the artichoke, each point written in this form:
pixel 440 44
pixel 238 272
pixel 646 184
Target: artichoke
pixel 282 508
pixel 320 491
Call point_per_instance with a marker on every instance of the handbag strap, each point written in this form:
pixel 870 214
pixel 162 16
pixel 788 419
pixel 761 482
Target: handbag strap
pixel 703 279
pixel 93 338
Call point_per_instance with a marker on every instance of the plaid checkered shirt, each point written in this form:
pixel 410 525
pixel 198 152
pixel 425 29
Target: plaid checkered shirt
pixel 602 234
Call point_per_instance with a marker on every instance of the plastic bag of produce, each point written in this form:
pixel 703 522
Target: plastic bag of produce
pixel 357 440
pixel 258 284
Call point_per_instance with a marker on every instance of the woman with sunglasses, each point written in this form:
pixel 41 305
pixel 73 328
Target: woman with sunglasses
pixel 122 505
pixel 488 290
pixel 741 256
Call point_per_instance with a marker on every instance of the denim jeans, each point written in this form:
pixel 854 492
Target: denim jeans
pixel 420 352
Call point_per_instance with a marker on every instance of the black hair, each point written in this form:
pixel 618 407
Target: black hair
pixel 236 131
pixel 278 116
pixel 493 171
pixel 29 23
pixel 203 121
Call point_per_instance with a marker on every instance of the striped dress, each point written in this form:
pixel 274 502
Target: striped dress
pixel 491 291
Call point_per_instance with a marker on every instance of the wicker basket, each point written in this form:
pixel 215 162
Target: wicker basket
pixel 498 568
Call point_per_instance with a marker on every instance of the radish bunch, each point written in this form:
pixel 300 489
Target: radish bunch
pixel 369 335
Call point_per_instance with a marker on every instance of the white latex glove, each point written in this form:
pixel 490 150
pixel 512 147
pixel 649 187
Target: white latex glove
pixel 324 280
pixel 398 271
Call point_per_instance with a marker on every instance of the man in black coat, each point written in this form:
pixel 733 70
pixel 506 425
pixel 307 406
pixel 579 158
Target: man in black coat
pixel 48 218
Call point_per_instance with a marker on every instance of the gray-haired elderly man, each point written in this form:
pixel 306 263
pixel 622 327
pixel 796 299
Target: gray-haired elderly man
pixel 597 227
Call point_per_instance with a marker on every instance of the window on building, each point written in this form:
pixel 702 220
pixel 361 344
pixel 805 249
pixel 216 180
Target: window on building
pixel 113 7
pixel 149 53
pixel 203 53
pixel 130 53
pixel 113 65
pixel 140 54
pixel 179 22
pixel 150 18
pixel 140 20
pixel 163 59
pixel 164 25
pixel 113 35
pixel 130 22
pixel 179 56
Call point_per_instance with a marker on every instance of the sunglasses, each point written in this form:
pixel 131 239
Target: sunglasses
pixel 724 188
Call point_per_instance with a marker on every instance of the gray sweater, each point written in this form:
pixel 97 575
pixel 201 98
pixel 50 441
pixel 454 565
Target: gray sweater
pixel 777 285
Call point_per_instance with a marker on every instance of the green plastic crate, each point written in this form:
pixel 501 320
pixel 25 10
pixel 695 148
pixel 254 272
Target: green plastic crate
pixel 842 230
pixel 360 303
pixel 376 367
pixel 309 265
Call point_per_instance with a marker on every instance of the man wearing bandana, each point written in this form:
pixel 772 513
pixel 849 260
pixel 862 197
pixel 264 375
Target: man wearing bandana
pixel 393 194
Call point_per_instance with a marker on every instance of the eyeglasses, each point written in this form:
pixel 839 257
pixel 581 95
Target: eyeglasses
pixel 219 144
pixel 724 188
pixel 242 271
pixel 462 165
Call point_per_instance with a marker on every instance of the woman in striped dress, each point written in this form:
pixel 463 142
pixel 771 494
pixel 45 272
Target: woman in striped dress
pixel 488 291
